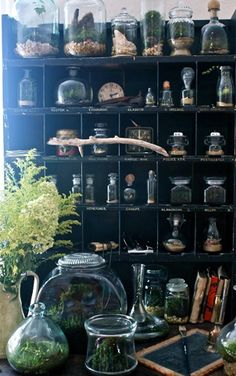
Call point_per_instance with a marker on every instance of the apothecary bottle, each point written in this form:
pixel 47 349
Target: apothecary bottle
pixel 38 345
pixel 151 187
pixel 180 30
pixel 76 186
pixel 82 285
pixel 152 27
pixel 215 141
pixel 27 90
pixel 177 302
pixel 37 29
pixel 225 88
pixel 89 194
pixel 181 193
pixel 85 28
pixel 154 290
pixel 212 242
pixel 214 38
pixel 112 189
pixel 166 97
pixel 215 193
pixel 124 34
pixel 100 131
pixel 178 141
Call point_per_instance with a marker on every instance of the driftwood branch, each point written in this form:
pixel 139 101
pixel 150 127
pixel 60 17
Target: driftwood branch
pixel 112 140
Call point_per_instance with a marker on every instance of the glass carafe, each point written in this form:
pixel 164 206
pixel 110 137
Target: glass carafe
pixel 174 241
pixel 147 326
pixel 85 28
pixel 225 88
pixel 213 34
pixel 212 242
pixel 38 345
pixel 152 27
pixel 37 28
pixel 177 141
pixel 226 347
pixel 180 193
pixel 124 34
pixel 215 141
pixel 27 91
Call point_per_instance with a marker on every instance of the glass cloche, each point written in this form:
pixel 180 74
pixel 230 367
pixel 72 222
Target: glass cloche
pixel 81 286
pixel 85 28
pixel 37 28
pixel 124 34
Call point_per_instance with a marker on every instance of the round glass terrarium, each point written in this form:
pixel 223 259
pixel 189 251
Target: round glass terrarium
pixel 37 28
pixel 226 347
pixel 215 141
pixel 180 30
pixel 85 28
pixel 74 91
pixel 79 287
pixel 124 34
pixel 178 141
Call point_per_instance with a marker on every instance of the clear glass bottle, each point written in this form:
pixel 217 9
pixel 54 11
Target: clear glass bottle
pixel 27 90
pixel 124 34
pixel 76 187
pixel 151 187
pixel 37 28
pixel 89 190
pixel 149 99
pixel 180 29
pixel 110 349
pixel 154 290
pixel 148 326
pixel 187 95
pixel 38 345
pixel 177 141
pixel 85 28
pixel 174 241
pixel 74 91
pixel 225 88
pixel 212 242
pixel 215 141
pixel 129 191
pixel 100 131
pixel 180 193
pixel 215 194
pixel 166 99
pixel 152 27
pixel 112 191
pixel 177 302
pixel 214 39
pixel 226 347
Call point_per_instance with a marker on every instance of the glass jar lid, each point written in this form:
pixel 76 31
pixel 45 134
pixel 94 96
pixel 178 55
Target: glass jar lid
pixel 160 273
pixel 177 287
pixel 180 180
pixel 180 11
pixel 124 18
pixel 215 180
pixel 82 260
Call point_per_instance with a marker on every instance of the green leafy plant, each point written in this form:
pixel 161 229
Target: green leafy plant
pixel 152 28
pixel 34 217
pixel 180 29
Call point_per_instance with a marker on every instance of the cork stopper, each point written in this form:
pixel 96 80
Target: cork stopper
pixel 166 85
pixel 213 5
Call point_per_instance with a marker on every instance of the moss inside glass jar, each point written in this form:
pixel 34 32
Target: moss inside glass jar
pixel 226 347
pixel 176 302
pixel 152 33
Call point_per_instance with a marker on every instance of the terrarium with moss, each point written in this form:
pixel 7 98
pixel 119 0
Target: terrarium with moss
pixel 226 347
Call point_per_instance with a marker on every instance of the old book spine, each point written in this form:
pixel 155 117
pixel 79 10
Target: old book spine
pixel 211 298
pixel 199 291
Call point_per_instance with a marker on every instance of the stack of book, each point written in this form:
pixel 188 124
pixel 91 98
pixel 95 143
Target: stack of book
pixel 210 296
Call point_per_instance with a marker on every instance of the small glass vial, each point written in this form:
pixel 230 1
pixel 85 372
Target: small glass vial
pixel 149 99
pixel 212 242
pixel 166 100
pixel 225 88
pixel 154 290
pixel 215 194
pixel 100 131
pixel 178 141
pixel 27 92
pixel 124 34
pixel 112 191
pixel 89 190
pixel 151 187
pixel 215 141
pixel 180 193
pixel 177 302
pixel 129 192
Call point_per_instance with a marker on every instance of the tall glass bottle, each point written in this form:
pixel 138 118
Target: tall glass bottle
pixel 225 88
pixel 27 91
pixel 213 34
pixel 112 191
pixel 89 189
pixel 37 28
pixel 151 187
pixel 152 27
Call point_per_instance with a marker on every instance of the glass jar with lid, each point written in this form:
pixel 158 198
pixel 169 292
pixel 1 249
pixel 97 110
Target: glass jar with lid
pixel 154 290
pixel 215 194
pixel 37 28
pixel 152 27
pixel 100 131
pixel 85 28
pixel 215 141
pixel 27 90
pixel 66 150
pixel 180 29
pixel 124 34
pixel 74 91
pixel 177 141
pixel 180 193
pixel 177 302
pixel 79 287
pixel 110 349
pixel 89 190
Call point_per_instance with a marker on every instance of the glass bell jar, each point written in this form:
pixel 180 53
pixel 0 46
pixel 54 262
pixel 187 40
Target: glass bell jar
pixel 178 141
pixel 124 34
pixel 214 141
pixel 174 241
pixel 37 29
pixel 226 347
pixel 212 242
pixel 214 39
pixel 85 28
pixel 74 91
pixel 38 345
pixel 152 27
pixel 180 29
pixel 80 286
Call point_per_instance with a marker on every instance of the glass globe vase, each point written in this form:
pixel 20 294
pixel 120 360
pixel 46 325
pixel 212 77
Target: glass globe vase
pixel 226 347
